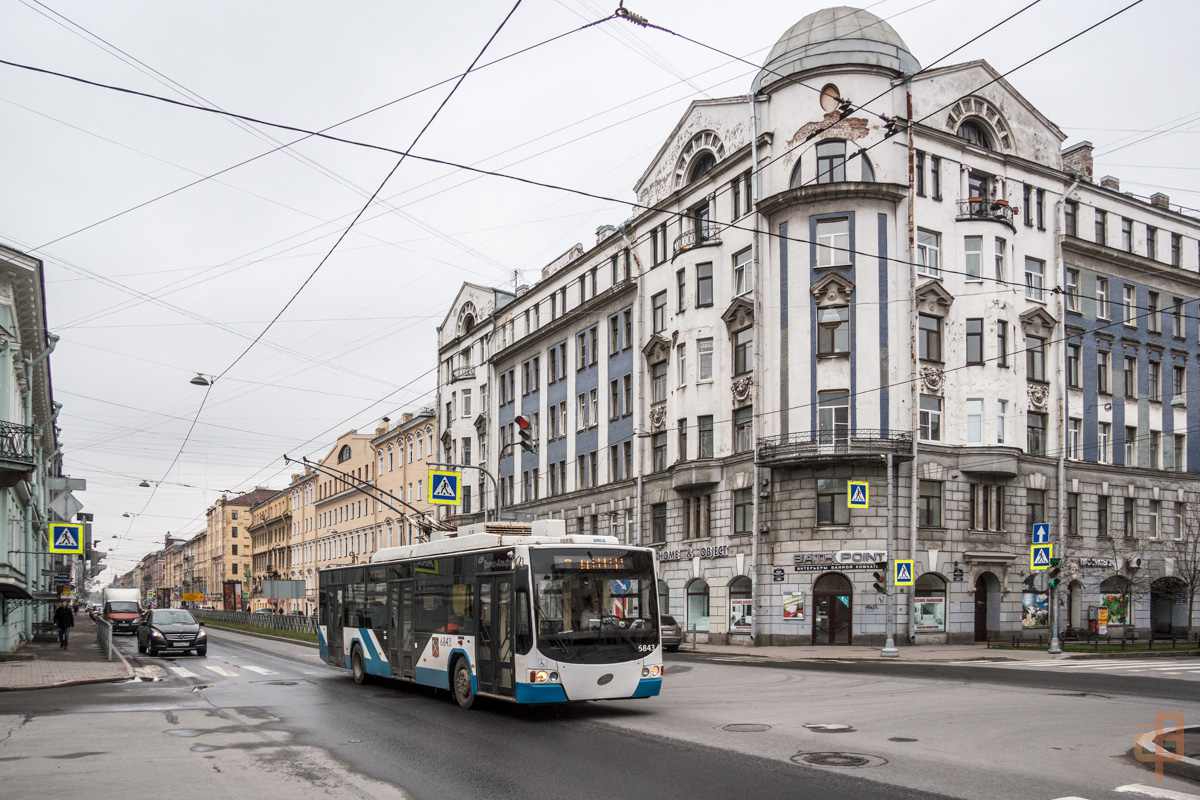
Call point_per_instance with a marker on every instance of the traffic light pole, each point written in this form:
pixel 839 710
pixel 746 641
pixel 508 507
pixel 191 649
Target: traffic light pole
pixel 889 647
pixel 1052 588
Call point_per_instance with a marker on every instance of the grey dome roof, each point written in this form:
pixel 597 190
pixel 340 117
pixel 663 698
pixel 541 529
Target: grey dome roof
pixel 835 37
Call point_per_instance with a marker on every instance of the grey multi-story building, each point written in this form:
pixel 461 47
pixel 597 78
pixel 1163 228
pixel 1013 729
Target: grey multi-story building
pixel 815 294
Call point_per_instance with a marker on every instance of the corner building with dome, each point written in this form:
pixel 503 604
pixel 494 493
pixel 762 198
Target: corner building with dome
pixel 813 291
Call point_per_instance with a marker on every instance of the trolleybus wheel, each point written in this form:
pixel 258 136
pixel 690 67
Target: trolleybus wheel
pixel 356 665
pixel 462 684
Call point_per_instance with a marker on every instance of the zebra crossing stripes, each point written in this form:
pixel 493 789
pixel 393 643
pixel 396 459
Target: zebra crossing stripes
pixel 221 671
pixel 1182 667
pixel 1143 790
pixel 259 670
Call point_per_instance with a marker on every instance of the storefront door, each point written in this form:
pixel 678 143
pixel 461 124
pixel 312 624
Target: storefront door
pixel 833 606
pixel 981 609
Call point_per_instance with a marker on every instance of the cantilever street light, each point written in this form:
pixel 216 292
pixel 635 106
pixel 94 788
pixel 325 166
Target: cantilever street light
pixel 201 380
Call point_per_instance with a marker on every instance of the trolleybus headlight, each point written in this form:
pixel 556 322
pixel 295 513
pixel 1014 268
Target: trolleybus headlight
pixel 554 677
pixel 655 671
pixel 645 672
pixel 541 676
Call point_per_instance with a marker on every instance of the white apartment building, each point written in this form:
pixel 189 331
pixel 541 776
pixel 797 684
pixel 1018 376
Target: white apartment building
pixel 789 312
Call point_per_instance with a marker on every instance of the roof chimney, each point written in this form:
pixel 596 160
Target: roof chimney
pixel 1109 182
pixel 1078 158
pixel 1160 200
pixel 603 232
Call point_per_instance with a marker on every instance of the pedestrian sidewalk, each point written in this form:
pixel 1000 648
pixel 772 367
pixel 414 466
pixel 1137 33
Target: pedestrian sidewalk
pixel 43 664
pixel 925 653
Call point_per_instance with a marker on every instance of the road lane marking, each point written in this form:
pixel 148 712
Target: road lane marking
pixel 1155 791
pixel 222 671
pixel 184 673
pixel 259 670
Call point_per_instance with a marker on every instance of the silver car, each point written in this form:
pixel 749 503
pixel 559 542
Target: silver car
pixel 672 634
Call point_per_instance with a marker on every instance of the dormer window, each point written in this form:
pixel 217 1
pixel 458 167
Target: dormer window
pixel 974 133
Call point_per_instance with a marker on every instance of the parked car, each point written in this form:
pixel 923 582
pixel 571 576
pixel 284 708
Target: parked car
pixel 264 611
pixel 171 629
pixel 672 634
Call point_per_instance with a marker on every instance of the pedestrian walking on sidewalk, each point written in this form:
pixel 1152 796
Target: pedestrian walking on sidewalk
pixel 65 620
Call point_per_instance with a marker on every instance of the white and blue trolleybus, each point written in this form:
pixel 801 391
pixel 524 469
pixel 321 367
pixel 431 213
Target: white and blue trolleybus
pixel 513 611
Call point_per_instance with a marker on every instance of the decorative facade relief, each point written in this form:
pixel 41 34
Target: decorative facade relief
pixel 741 388
pixel 933 379
pixel 658 416
pixel 1038 394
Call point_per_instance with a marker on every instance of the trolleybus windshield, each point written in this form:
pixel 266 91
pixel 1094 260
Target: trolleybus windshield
pixel 595 606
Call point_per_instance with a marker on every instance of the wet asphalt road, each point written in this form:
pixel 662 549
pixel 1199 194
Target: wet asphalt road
pixel 421 741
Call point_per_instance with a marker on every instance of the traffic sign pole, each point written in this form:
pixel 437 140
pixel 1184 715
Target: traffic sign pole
pixel 889 647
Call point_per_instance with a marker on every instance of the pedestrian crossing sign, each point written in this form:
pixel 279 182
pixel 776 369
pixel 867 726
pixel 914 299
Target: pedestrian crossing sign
pixel 857 493
pixel 1040 555
pixel 904 572
pixel 445 487
pixel 66 537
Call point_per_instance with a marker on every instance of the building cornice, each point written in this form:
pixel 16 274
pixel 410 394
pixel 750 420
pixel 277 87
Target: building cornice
pixel 822 192
pixel 567 321
pixel 1121 258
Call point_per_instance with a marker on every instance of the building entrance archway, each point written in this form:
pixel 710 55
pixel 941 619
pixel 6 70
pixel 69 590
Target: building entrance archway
pixel 1168 606
pixel 833 609
pixel 987 605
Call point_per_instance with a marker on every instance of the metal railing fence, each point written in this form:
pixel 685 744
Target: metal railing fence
pixel 267 622
pixel 104 637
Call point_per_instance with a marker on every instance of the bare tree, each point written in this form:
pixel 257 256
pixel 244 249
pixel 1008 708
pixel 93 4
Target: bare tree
pixel 1184 550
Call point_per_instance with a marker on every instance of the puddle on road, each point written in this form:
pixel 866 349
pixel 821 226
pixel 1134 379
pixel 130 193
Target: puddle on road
pixel 203 748
pixel 185 732
pixel 78 755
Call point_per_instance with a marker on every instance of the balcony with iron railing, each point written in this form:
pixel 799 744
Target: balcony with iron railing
pixel 981 209
pixel 706 235
pixel 811 448
pixel 16 452
pixel 462 374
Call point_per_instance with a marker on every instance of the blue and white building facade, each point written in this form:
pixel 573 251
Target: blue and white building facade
pixel 803 295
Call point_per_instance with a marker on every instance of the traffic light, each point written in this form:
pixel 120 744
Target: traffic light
pixel 525 431
pixel 880 582
pixel 1053 576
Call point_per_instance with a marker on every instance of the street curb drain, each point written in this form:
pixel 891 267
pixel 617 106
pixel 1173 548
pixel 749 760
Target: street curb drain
pixel 844 760
pixel 746 727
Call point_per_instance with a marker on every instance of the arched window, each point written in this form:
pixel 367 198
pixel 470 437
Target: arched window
pixel 429 435
pixel 1035 603
pixel 344 454
pixel 664 598
pixel 701 165
pixel 697 605
pixel 868 172
pixel 974 133
pixel 831 161
pixel 410 450
pixel 741 606
pixel 380 454
pixel 420 447
pixel 929 612
pixel 391 459
pixel 797 181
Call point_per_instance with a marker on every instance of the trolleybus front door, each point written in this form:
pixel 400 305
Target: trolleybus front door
pixel 333 625
pixel 494 646
pixel 400 627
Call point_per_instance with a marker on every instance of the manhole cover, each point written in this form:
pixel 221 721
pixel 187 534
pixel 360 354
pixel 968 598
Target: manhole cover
pixel 281 683
pixel 845 760
pixel 746 727
pixel 829 727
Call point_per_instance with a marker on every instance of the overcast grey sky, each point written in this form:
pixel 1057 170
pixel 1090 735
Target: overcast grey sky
pixel 182 284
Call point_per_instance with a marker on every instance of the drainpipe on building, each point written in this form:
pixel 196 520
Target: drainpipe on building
pixel 639 423
pixel 914 358
pixel 34 565
pixel 758 374
pixel 1055 648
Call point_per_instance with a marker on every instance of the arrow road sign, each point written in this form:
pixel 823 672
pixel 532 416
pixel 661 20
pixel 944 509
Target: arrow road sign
pixel 1040 555
pixel 1041 533
pixel 857 493
pixel 66 538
